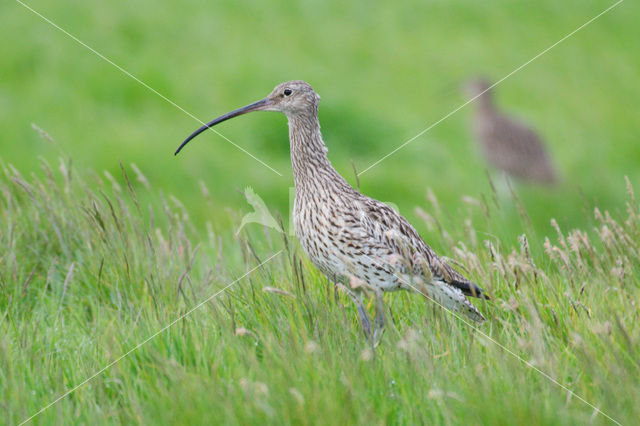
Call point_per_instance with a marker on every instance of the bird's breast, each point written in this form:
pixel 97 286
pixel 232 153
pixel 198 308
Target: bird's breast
pixel 331 234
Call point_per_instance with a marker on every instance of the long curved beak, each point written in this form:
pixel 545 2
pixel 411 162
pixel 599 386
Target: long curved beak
pixel 261 105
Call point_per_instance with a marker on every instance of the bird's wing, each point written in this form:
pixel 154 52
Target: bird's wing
pixel 528 156
pixel 524 138
pixel 387 227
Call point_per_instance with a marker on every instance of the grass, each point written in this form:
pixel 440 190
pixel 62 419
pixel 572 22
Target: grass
pixel 87 272
pixel 384 71
pixel 97 254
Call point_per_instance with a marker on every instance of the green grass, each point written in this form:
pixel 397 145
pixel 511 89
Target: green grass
pixel 385 72
pixel 87 273
pixel 93 263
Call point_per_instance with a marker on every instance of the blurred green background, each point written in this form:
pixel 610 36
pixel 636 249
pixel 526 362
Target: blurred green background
pixel 384 71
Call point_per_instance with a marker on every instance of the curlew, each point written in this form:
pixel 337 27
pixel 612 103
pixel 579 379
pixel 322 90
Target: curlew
pixel 353 239
pixel 507 144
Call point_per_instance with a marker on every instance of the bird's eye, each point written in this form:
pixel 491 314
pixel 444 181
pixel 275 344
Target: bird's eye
pixel 287 92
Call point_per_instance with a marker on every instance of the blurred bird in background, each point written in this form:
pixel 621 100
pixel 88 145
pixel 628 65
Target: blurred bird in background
pixel 507 144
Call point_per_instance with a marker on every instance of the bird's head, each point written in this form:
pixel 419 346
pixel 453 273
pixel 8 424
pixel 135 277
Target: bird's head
pixel 292 98
pixel 476 87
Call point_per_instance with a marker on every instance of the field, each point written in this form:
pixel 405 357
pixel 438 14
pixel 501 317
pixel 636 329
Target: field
pixel 124 281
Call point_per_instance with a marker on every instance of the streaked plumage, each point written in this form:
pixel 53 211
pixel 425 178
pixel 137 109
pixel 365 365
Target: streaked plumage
pixel 507 144
pixel 353 239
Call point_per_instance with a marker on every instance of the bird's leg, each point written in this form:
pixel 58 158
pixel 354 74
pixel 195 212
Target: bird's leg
pixel 379 319
pixel 364 319
pixel 362 313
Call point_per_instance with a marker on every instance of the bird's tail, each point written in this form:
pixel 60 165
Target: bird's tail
pixel 470 289
pixel 453 298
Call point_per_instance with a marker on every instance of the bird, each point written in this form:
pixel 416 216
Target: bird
pixel 357 242
pixel 507 144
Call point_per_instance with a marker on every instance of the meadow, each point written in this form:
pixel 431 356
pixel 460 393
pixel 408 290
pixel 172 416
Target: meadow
pixel 106 238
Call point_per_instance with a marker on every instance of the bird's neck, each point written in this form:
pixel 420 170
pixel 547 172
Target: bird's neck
pixel 311 166
pixel 485 103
